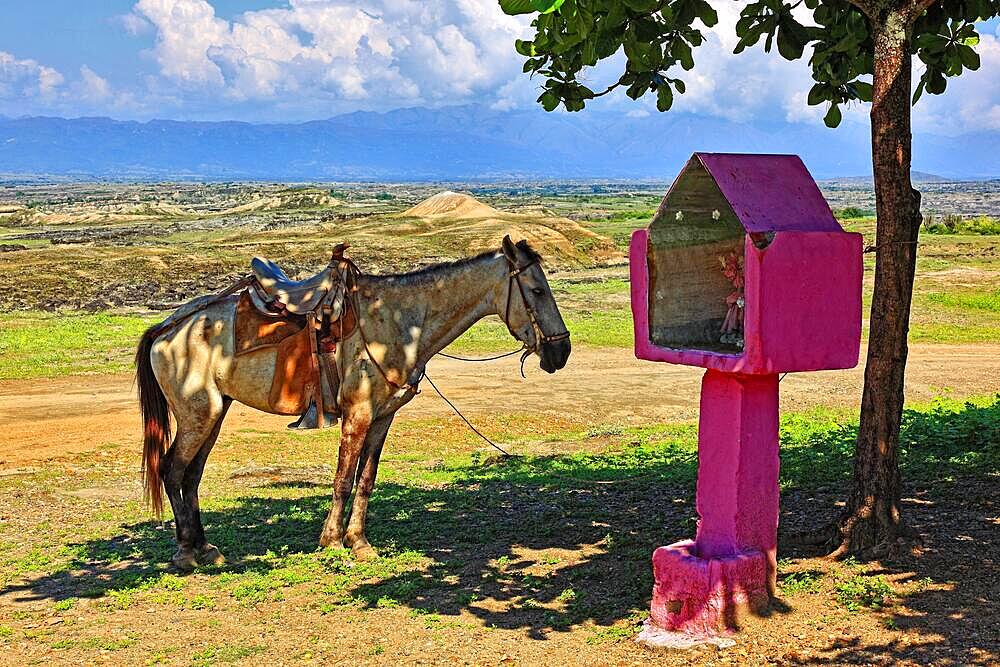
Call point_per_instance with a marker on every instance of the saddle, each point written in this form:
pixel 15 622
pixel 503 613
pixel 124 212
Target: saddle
pixel 325 291
pixel 302 319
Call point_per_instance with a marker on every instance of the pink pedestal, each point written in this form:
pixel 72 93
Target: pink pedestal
pixel 702 586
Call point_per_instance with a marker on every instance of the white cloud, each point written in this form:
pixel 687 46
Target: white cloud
pixel 971 101
pixel 23 79
pixel 386 53
pixel 134 24
pixel 92 86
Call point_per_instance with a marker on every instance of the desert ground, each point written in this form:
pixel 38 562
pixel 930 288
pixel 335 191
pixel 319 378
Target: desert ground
pixel 542 558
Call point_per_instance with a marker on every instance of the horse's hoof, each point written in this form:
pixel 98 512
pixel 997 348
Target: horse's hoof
pixel 363 552
pixel 210 555
pixel 184 561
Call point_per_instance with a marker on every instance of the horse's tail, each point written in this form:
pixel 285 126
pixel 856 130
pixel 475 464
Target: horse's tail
pixel 155 420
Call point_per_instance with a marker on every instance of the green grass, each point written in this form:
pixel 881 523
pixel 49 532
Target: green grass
pixel 853 213
pixel 454 530
pixel 224 653
pixel 49 345
pixel 860 591
pixel 805 581
pixel 967 301
pixel 597 329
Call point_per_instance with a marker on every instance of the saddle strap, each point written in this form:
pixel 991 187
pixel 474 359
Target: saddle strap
pixel 316 364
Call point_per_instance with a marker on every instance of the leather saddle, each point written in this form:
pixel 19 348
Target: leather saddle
pixel 302 318
pixel 322 294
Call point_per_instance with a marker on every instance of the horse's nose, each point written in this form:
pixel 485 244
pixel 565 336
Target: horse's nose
pixel 554 355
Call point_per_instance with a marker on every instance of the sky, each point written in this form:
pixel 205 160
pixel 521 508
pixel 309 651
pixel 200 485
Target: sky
pixel 297 60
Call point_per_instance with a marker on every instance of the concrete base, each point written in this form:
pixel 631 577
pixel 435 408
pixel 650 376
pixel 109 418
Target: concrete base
pixel 705 597
pixel 655 637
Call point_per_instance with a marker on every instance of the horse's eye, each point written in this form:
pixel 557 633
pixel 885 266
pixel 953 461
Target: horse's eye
pixel 538 291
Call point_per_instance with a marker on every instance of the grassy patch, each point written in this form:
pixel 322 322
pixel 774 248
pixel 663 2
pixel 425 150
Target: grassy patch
pixel 972 300
pixel 467 541
pixel 224 653
pixel 804 581
pixel 597 329
pixel 48 345
pixel 860 591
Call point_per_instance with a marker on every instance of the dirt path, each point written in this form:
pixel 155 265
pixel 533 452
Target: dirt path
pixel 47 418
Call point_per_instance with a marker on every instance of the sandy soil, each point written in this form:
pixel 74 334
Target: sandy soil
pixel 49 418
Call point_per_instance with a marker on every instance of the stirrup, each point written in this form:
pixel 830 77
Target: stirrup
pixel 308 419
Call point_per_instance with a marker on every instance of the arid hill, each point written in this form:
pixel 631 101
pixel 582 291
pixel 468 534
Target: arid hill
pixel 470 226
pixel 452 205
pixel 116 211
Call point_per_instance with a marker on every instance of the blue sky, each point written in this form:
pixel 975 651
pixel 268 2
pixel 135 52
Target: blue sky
pixel 293 60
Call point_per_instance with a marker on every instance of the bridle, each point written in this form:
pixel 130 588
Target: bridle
pixel 541 338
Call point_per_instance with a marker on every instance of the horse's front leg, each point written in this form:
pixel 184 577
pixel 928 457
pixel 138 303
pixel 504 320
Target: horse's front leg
pixel 354 428
pixel 367 469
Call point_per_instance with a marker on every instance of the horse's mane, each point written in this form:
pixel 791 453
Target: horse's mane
pixel 433 270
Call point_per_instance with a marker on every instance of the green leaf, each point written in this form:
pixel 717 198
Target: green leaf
pixel 524 47
pixel 969 57
pixel 707 14
pixel 864 91
pixel 833 116
pixel 936 83
pixel 641 6
pixel 664 98
pixel 514 7
pixel 682 51
pixel 549 100
pixel 789 46
pixel 817 95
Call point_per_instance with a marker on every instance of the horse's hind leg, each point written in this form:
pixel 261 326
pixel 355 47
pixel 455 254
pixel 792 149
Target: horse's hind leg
pixel 206 554
pixel 195 424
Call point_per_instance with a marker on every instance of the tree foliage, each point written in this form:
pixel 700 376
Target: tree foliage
pixel 659 38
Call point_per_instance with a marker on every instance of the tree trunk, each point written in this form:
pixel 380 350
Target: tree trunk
pixel 871 521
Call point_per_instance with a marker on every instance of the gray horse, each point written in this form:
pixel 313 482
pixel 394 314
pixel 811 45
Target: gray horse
pixel 189 370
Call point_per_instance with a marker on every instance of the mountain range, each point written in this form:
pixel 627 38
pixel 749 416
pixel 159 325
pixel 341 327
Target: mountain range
pixel 450 143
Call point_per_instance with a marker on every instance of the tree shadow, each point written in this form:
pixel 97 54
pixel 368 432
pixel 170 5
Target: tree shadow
pixel 504 542
pixel 481 536
pixel 950 458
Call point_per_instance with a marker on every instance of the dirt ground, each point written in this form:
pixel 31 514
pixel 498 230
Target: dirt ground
pixel 49 418
pixel 490 579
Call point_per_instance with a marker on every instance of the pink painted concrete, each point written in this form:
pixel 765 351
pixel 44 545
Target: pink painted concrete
pixel 803 306
pixel 706 596
pixel 729 568
pixel 737 494
pixel 802 313
pixel 770 193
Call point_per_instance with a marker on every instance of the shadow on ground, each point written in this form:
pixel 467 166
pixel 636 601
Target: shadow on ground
pixel 505 538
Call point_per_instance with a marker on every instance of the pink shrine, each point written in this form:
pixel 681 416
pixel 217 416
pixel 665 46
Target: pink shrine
pixel 743 271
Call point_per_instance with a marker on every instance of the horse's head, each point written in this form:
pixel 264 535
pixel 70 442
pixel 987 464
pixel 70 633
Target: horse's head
pixel 530 311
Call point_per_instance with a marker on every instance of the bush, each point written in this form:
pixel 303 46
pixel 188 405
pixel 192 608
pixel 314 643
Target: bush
pixel 851 212
pixel 982 225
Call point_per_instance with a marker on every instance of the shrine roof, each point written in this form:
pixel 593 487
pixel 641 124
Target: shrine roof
pixel 770 193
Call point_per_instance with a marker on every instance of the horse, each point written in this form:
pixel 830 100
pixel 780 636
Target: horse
pixel 187 373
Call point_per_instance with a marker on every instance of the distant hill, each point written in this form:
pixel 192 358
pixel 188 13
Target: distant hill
pixel 464 223
pixel 452 143
pixel 452 205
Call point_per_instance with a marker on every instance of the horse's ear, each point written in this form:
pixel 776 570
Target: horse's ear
pixel 508 249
